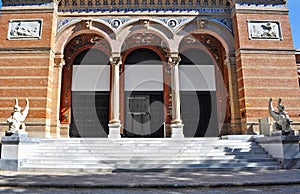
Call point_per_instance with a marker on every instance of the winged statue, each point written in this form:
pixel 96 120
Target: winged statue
pixel 281 118
pixel 17 118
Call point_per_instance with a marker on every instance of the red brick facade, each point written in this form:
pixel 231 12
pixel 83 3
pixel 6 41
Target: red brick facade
pixel 256 69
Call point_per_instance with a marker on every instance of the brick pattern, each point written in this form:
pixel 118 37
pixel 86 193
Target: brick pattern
pixel 265 68
pixel 26 71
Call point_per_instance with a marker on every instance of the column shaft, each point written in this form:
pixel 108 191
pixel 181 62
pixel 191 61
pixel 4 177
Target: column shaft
pixel 114 124
pixel 176 123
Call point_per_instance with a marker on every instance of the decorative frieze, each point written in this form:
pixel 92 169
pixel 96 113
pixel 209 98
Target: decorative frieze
pixel 209 6
pixel 264 30
pixel 172 22
pixel 25 29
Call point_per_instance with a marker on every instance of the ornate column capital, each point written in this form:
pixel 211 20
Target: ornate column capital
pixel 59 60
pixel 115 60
pixel 230 59
pixel 174 60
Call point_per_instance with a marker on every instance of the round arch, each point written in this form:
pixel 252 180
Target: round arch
pixel 155 25
pixel 137 28
pixel 212 28
pixel 145 77
pixel 74 29
pixel 213 48
pixel 75 47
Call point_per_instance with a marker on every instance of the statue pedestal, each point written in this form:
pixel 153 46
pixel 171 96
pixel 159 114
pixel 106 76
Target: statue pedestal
pixel 177 131
pixel 114 131
pixel 284 149
pixel 15 149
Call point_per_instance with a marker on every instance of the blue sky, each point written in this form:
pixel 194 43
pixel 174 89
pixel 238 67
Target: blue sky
pixel 294 6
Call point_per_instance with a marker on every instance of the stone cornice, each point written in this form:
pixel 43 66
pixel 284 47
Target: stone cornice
pixel 273 2
pixel 14 3
pixel 40 50
pixel 128 6
pixel 265 51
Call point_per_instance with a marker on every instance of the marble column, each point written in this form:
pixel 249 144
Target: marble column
pixel 114 124
pixel 176 123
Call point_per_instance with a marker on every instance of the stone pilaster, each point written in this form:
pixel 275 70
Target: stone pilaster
pixel 56 93
pixel 235 123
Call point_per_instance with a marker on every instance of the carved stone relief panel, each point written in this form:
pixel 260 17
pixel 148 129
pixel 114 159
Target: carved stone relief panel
pixel 25 29
pixel 264 30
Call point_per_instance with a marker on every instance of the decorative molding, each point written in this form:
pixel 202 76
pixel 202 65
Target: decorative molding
pixel 25 29
pixel 208 6
pixel 29 2
pixel 271 2
pixel 172 22
pixel 264 30
pixel 250 5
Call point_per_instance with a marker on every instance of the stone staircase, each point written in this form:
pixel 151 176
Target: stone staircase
pixel 95 154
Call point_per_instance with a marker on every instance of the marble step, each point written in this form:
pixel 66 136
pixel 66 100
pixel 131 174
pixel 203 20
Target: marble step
pixel 147 154
pixel 143 161
pixel 228 166
pixel 150 151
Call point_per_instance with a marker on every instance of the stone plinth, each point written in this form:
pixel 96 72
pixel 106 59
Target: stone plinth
pixel 264 126
pixel 285 149
pixel 177 131
pixel 15 149
pixel 114 131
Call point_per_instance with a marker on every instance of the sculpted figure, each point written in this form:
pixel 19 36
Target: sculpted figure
pixel 17 118
pixel 282 120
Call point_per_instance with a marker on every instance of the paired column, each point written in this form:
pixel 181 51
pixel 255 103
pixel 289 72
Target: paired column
pixel 115 124
pixel 176 123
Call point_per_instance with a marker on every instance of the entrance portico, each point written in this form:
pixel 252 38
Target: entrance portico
pixel 140 88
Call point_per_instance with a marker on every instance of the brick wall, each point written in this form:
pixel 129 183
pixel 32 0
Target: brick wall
pixel 265 68
pixel 26 69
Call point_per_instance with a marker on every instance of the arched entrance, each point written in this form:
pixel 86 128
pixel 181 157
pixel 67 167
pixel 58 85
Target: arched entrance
pixel 143 94
pixel 203 86
pixel 85 87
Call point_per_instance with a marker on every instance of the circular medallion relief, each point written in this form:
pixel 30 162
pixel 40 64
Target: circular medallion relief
pixel 115 23
pixel 172 23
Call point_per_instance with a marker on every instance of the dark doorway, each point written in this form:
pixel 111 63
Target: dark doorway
pixel 198 94
pixel 143 94
pixel 198 112
pixel 144 115
pixel 89 114
pixel 90 94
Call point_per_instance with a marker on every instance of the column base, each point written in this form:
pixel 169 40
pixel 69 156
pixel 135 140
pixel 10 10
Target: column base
pixel 177 131
pixel 114 131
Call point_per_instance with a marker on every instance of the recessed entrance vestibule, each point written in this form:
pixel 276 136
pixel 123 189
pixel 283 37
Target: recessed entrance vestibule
pixel 143 102
pixel 144 112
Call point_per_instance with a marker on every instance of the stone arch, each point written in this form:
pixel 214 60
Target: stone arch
pixel 74 47
pixel 215 49
pixel 84 26
pixel 154 27
pixel 210 27
pixel 152 24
